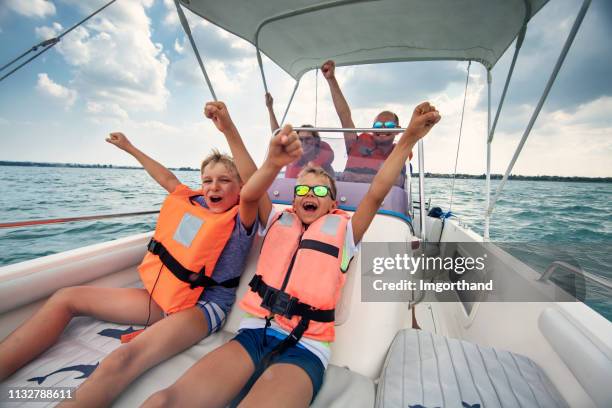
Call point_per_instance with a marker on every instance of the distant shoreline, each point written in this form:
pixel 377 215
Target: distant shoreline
pixel 427 175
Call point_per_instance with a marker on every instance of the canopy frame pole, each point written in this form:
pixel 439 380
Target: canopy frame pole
pixel 422 191
pixel 297 83
pixel 260 63
pixel 487 217
pixel 519 43
pixel 187 30
pixel 534 116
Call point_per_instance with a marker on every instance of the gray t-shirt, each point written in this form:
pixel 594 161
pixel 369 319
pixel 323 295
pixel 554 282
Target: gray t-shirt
pixel 231 262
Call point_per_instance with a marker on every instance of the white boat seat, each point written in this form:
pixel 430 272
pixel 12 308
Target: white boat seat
pixel 587 357
pixel 82 347
pixel 427 370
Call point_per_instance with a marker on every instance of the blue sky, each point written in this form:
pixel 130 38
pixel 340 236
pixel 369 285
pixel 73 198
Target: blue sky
pixel 130 69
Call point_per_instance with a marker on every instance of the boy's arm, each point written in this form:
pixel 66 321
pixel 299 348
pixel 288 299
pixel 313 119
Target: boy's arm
pixel 162 175
pixel 342 108
pixel 284 148
pixel 424 117
pixel 218 113
pixel 269 104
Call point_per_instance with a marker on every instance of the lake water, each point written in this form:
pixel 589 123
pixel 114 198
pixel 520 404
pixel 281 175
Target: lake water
pixel 536 212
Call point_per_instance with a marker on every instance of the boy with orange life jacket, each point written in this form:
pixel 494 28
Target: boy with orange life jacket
pixel 190 273
pixel 281 351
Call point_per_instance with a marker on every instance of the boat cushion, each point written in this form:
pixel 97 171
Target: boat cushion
pixel 86 341
pixel 427 370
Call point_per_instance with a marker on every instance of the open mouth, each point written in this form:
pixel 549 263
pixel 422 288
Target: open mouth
pixel 310 207
pixel 215 199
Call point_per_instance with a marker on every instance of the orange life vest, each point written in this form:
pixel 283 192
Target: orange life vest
pixel 364 156
pixel 299 274
pixel 182 255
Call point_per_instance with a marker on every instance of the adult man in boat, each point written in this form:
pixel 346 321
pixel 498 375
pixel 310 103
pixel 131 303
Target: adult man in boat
pixel 367 151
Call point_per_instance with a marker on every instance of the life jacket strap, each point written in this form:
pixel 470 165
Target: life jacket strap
pixel 289 341
pixel 194 279
pixel 282 303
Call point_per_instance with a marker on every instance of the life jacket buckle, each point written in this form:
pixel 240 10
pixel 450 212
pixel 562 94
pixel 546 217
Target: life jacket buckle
pixel 155 247
pixel 279 302
pixel 255 282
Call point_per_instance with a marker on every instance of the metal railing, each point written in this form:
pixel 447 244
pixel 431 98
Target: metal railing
pixel 345 130
pixel 605 282
pixel 29 223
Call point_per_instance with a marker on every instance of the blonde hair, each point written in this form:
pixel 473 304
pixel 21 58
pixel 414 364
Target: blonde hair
pixel 217 157
pixel 319 171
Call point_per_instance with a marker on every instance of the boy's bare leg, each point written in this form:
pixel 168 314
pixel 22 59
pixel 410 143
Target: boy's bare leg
pixel 281 385
pixel 159 342
pixel 41 331
pixel 211 382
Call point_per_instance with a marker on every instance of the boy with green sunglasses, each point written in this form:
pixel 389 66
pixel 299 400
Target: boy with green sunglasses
pixel 279 360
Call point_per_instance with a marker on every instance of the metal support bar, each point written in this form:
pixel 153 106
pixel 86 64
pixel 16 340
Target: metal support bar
pixel 343 130
pixel 408 188
pixel 297 83
pixel 534 116
pixel 260 63
pixel 185 25
pixel 31 223
pixel 519 43
pixel 485 235
pixel 422 191
pixel 606 283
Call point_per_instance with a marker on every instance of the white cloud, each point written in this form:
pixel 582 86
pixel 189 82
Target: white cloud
pixel 48 87
pixel 178 47
pixel 171 18
pixel 111 110
pixel 31 8
pixel 45 32
pixel 116 64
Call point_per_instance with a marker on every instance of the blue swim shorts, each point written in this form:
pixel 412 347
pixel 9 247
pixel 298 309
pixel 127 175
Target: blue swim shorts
pixel 214 314
pixel 252 341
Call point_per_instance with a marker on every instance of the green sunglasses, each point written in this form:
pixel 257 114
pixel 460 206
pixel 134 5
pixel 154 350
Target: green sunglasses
pixel 320 191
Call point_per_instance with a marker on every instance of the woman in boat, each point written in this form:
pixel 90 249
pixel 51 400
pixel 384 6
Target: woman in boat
pixel 316 151
pixel 282 348
pixel 182 260
pixel 367 151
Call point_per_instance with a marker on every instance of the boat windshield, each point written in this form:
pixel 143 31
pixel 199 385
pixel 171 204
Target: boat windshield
pixel 357 164
pixel 353 172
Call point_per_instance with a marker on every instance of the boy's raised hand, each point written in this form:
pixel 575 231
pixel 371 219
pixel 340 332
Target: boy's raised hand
pixel 118 139
pixel 328 69
pixel 217 112
pixel 285 147
pixel 424 117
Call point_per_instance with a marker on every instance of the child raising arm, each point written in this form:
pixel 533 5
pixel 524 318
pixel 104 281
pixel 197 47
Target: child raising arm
pixel 280 353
